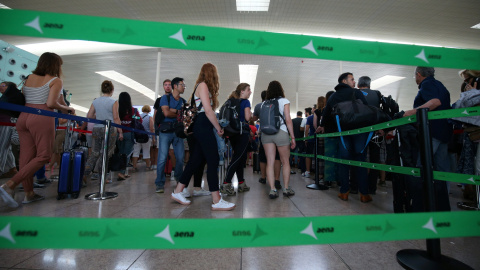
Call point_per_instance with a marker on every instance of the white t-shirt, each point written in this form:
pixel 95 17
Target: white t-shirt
pixel 304 122
pixel 281 106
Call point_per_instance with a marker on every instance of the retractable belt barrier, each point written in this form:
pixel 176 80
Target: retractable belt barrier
pixel 26 109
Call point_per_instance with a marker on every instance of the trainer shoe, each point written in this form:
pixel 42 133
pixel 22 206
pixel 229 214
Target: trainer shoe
pixel 159 189
pixel 201 192
pixel 185 193
pixel 306 174
pixel 178 197
pixel 227 189
pixel 262 180
pixel 8 196
pixel 223 206
pixel 273 194
pixel 288 191
pixel 33 198
pixel 43 181
pixel 277 184
pixel 35 185
pixel 243 187
pixel 293 172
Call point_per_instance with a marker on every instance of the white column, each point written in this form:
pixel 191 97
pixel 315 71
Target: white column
pixel 157 79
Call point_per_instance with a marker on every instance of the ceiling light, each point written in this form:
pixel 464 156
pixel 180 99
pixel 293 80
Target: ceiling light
pixel 248 74
pixel 253 5
pixel 118 77
pixel 71 47
pixel 385 80
pixel 79 108
pixel 2 6
pixel 476 26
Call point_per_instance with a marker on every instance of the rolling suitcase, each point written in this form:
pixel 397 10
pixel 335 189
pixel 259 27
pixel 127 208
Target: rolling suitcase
pixel 256 162
pixel 72 166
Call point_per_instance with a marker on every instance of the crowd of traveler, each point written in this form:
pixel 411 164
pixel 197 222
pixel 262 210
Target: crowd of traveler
pixel 41 143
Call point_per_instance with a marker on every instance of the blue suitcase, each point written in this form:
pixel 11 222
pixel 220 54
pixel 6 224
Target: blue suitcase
pixel 72 166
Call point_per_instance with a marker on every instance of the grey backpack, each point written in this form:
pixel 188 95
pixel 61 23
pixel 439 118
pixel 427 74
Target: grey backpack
pixel 270 117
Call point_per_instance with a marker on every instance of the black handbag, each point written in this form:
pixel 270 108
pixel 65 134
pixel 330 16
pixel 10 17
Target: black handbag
pixel 354 114
pixel 117 161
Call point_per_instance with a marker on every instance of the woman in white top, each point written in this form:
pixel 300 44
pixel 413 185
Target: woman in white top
pixel 147 122
pixel 205 143
pixel 280 140
pixel 42 90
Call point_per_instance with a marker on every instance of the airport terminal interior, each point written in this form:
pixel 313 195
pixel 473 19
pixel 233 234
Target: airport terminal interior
pixel 429 23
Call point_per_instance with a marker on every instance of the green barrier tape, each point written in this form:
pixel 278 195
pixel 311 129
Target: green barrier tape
pixel 191 37
pixel 444 176
pixel 302 155
pixel 113 233
pixel 305 138
pixel 381 167
pixel 460 112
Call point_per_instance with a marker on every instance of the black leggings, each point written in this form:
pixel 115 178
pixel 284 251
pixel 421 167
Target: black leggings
pixel 239 144
pixel 197 176
pixel 205 149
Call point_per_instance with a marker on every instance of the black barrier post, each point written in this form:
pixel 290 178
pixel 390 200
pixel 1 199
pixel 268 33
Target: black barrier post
pixel 432 258
pixel 316 185
pixel 102 194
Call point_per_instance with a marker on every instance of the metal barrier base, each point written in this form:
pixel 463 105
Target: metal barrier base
pixel 419 259
pixel 468 206
pixel 317 187
pixel 98 196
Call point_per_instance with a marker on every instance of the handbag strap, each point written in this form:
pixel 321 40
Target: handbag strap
pixel 370 134
pixel 193 99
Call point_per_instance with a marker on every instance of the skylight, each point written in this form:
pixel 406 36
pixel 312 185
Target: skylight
pixel 385 80
pixel 253 5
pixel 476 26
pixel 248 74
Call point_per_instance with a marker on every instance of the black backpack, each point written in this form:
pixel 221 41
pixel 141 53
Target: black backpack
pixel 389 106
pixel 270 117
pixel 137 124
pixel 230 113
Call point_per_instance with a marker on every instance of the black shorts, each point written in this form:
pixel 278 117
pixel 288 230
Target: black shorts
pixel 261 154
pixel 310 149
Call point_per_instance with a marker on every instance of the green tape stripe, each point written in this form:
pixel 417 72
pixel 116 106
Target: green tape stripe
pixel 460 112
pixel 302 155
pixel 389 124
pixel 191 37
pixel 305 138
pixel 381 167
pixel 110 233
pixel 444 176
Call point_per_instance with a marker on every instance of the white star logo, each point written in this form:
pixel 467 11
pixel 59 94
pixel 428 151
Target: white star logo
pixel 309 231
pixel 5 233
pixel 35 24
pixel 165 234
pixel 179 36
pixel 471 180
pixel 310 47
pixel 421 56
pixel 430 226
pixel 413 172
pixel 465 112
pixel 390 168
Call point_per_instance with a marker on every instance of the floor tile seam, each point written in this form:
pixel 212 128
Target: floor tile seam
pixel 136 259
pixel 26 259
pixel 339 256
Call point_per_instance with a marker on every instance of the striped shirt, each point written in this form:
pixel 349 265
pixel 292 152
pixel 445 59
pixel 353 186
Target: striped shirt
pixel 38 95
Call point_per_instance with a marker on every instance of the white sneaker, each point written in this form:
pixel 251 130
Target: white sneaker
pixel 201 192
pixel 223 205
pixel 178 197
pixel 306 174
pixel 185 193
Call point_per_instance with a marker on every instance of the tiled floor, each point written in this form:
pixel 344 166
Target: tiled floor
pixel 137 199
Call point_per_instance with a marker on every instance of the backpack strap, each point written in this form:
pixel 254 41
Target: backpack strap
pixel 370 134
pixel 193 99
pixel 282 115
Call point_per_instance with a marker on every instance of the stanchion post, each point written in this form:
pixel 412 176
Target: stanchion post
pixel 102 195
pixel 316 185
pixel 432 258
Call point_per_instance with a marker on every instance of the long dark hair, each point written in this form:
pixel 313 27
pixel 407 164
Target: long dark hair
pixel 124 105
pixel 275 90
pixel 49 63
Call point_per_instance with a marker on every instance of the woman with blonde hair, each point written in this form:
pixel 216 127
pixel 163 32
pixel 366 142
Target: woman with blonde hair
pixel 42 90
pixel 147 122
pixel 205 144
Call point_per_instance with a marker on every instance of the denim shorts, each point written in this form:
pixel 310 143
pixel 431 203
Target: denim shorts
pixel 280 139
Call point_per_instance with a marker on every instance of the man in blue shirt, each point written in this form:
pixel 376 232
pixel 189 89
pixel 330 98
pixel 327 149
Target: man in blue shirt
pixel 170 105
pixel 433 95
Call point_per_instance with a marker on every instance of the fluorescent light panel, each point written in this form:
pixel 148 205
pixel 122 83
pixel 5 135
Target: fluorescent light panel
pixel 385 80
pixel 476 26
pixel 118 77
pixel 72 47
pixel 253 5
pixel 248 74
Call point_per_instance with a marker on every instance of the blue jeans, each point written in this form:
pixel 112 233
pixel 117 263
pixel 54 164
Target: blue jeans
pixel 40 174
pixel 125 146
pixel 331 150
pixel 165 139
pixel 354 144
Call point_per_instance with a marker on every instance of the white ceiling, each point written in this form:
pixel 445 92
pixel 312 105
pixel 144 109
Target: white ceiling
pixel 441 23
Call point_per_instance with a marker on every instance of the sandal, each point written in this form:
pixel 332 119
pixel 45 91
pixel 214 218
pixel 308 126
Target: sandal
pixel 34 198
pixel 8 195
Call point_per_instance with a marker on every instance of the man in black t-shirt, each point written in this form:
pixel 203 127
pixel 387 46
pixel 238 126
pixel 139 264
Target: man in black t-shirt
pixel 298 134
pixel 167 87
